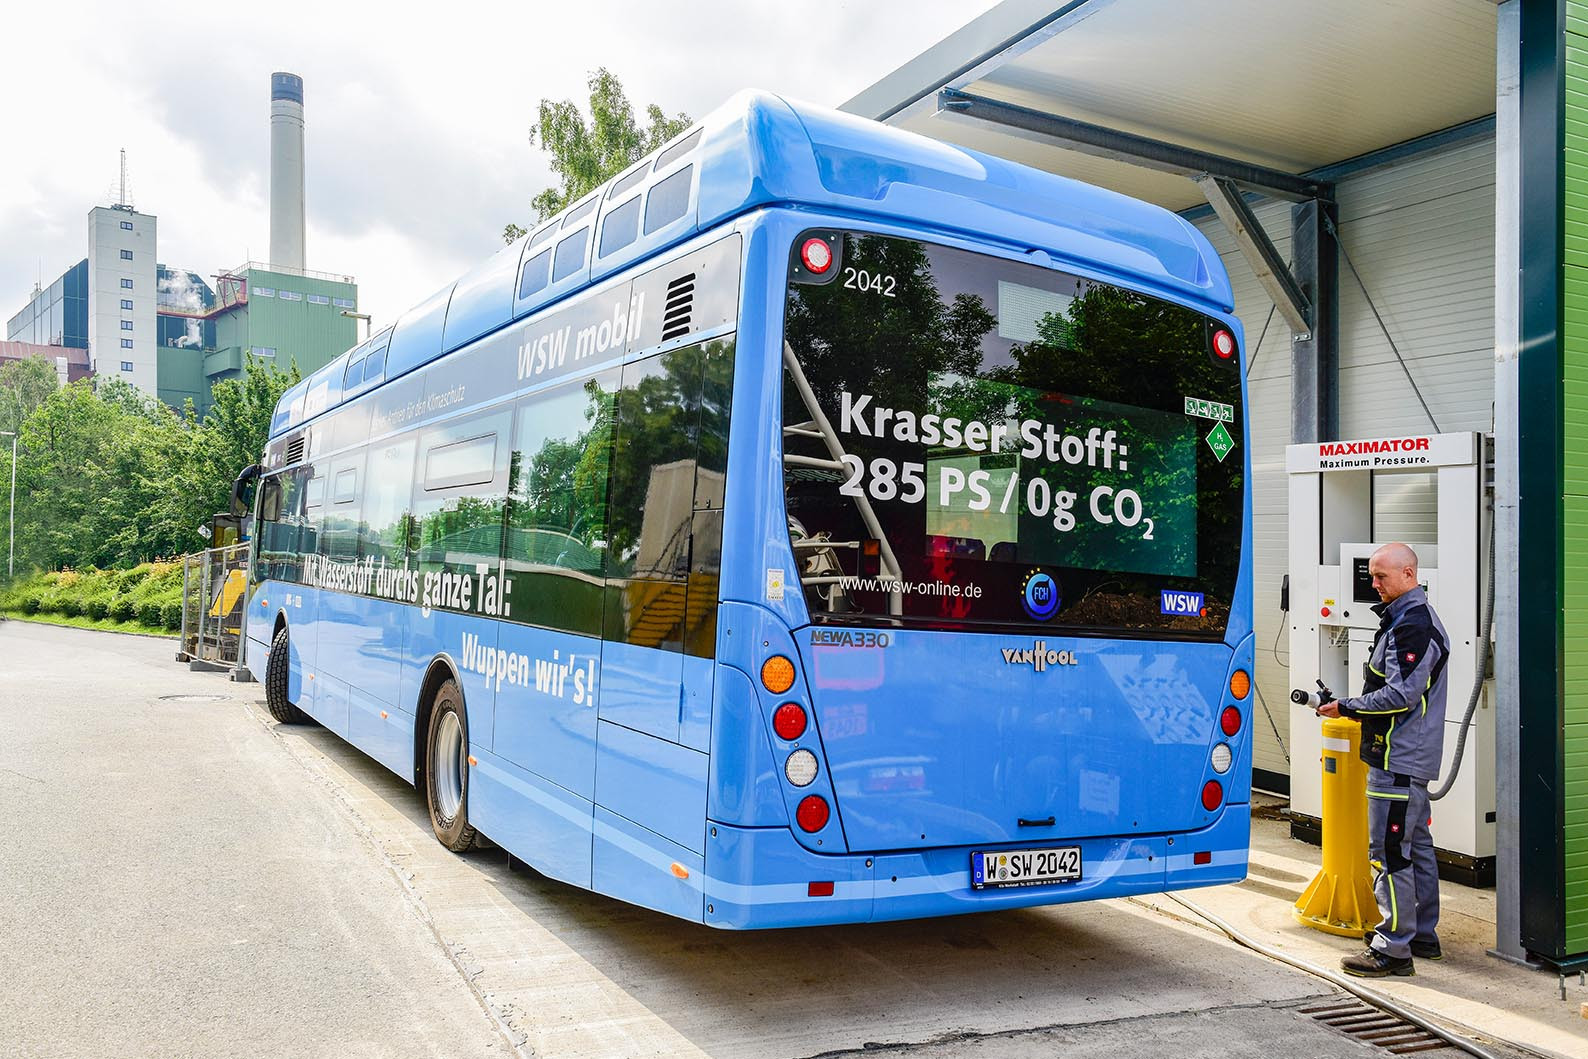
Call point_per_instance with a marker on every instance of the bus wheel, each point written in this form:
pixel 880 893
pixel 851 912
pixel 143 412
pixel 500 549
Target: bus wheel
pixel 276 683
pixel 447 771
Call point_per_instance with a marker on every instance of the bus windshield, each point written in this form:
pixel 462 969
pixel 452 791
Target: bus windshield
pixel 976 442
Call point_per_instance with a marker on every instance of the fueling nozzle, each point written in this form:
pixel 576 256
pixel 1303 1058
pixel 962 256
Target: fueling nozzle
pixel 1312 698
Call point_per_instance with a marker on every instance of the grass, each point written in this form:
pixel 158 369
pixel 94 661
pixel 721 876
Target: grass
pixel 99 624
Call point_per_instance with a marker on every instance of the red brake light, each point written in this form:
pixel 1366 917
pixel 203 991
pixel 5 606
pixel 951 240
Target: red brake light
pixel 1212 795
pixel 816 255
pixel 812 813
pixel 1223 345
pixel 1230 720
pixel 788 721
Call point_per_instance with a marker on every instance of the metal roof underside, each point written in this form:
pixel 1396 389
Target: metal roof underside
pixel 1289 86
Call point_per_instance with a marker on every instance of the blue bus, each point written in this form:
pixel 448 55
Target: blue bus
pixel 814 524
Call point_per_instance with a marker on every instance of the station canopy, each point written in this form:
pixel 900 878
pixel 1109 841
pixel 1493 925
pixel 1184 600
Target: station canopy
pixel 1288 87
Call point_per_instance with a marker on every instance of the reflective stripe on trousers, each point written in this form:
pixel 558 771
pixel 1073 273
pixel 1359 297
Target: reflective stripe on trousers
pixel 1401 849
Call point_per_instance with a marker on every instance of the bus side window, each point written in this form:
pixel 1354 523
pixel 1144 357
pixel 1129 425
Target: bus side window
pixel 388 484
pixel 655 456
pixel 705 548
pixel 281 530
pixel 339 525
pixel 556 536
pixel 460 493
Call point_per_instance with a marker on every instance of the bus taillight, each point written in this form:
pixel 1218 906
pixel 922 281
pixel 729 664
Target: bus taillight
pixel 812 813
pixel 1230 720
pixel 789 721
pixel 1212 795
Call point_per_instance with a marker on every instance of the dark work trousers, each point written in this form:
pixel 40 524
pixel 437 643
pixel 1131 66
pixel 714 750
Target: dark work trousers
pixel 1406 882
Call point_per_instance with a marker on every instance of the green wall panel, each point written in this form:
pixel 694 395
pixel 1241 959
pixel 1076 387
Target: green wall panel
pixel 1573 746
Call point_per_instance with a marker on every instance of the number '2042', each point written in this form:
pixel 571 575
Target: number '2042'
pixel 870 282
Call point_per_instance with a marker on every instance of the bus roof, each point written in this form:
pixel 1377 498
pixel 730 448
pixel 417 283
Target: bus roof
pixel 761 150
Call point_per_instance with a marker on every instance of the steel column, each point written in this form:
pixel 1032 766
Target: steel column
pixel 1315 353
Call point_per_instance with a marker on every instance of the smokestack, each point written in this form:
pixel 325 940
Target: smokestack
pixel 286 170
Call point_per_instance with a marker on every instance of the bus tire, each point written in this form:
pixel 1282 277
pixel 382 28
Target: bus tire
pixel 276 682
pixel 447 770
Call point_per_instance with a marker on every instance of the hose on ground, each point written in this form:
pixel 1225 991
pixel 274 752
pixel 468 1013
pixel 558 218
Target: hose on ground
pixel 1376 999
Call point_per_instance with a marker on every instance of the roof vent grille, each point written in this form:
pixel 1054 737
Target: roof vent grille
pixel 295 449
pixel 680 304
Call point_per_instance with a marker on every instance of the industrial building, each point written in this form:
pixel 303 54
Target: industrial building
pixel 170 332
pixel 1396 191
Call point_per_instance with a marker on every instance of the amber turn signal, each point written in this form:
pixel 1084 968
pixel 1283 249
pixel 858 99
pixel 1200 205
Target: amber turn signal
pixel 1240 683
pixel 777 674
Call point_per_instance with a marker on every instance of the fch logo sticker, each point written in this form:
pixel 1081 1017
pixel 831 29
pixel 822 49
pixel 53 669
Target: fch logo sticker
pixel 1040 595
pixel 1184 603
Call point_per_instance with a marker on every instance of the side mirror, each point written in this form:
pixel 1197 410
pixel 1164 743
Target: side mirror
pixel 242 500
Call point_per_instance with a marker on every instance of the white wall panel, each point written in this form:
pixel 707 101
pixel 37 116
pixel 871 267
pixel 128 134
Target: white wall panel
pixel 1421 233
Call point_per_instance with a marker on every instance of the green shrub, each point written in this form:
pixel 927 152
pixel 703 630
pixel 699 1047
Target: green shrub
pixel 123 609
pixel 149 613
pixel 72 607
pixel 171 612
pixel 30 603
pixel 98 609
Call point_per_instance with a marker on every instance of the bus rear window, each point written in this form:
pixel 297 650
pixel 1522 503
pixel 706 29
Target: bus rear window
pixel 970 441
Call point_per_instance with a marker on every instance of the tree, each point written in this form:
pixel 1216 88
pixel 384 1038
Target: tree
pixel 24 384
pixel 230 437
pixel 583 155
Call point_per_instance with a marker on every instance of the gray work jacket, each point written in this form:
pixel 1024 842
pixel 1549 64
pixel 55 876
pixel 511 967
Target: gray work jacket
pixel 1402 705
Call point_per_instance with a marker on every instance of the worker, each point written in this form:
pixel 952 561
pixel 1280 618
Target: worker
pixel 1402 713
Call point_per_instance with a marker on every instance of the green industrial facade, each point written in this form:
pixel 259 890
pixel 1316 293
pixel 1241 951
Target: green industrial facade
pixel 1553 500
pixel 279 317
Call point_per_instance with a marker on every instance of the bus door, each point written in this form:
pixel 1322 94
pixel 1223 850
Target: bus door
pixel 341 608
pixel 380 719
pixel 289 517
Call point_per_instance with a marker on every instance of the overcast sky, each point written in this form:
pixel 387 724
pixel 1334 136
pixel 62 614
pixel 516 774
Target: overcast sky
pixel 417 118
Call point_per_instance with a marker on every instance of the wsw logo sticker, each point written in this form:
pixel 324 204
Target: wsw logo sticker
pixel 1182 603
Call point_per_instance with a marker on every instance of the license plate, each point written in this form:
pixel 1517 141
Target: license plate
pixel 1024 867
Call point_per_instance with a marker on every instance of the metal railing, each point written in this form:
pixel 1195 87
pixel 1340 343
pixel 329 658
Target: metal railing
pixel 214 591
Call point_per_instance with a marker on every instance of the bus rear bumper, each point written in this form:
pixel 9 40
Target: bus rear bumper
pixel 761 877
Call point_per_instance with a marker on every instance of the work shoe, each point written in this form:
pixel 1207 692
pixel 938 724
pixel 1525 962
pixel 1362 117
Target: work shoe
pixel 1375 964
pixel 1422 950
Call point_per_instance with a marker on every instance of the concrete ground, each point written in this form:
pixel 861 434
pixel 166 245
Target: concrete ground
pixel 185 877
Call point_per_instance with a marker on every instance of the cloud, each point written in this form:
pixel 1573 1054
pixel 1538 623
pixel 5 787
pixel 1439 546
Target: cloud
pixel 417 118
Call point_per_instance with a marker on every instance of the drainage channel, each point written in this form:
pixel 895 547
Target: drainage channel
pixel 1375 1027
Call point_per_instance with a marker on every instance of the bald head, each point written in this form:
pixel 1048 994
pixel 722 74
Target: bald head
pixel 1393 568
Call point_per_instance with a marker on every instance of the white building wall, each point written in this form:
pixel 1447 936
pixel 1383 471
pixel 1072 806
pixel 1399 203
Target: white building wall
pixel 1421 234
pixel 112 234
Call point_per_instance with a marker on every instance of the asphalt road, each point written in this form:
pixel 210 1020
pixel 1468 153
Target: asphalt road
pixel 184 877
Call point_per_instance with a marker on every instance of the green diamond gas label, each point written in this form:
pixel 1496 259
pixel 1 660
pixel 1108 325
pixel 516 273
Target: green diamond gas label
pixel 1220 442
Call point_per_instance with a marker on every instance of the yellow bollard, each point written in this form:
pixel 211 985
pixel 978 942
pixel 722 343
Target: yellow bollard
pixel 1340 898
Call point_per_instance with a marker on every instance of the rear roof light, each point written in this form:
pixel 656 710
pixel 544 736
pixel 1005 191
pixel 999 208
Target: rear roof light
pixel 816 255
